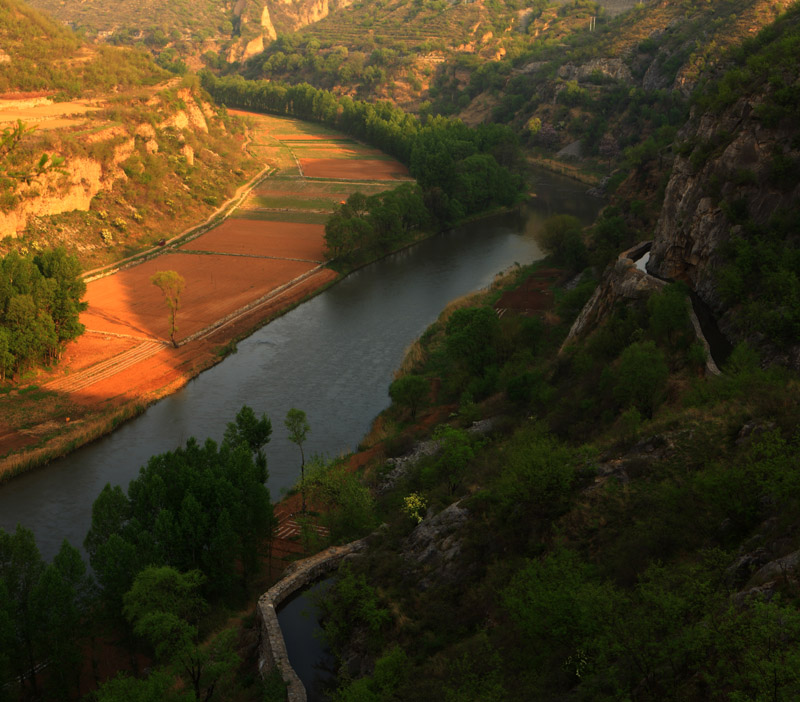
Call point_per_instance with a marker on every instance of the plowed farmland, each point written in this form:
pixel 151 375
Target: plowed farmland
pixel 274 239
pixel 216 286
pixel 353 169
pixel 267 256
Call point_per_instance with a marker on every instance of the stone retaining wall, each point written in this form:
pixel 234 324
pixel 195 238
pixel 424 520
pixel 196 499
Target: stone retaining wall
pixel 272 649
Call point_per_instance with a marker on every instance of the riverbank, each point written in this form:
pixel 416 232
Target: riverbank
pixel 84 419
pixel 244 266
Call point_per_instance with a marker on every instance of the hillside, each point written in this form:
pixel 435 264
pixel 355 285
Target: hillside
pixel 144 155
pixel 619 523
pixel 181 33
pixel 398 50
pixel 40 55
pixel 729 224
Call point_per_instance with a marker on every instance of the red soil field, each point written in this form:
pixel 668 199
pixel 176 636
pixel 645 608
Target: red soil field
pixel 307 193
pixel 128 303
pixel 89 349
pixel 310 137
pixel 264 238
pixel 339 148
pixel 534 296
pixel 365 169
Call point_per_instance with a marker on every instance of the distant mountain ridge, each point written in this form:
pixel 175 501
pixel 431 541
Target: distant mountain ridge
pixel 232 29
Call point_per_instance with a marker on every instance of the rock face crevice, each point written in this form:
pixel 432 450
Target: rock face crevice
pixel 621 281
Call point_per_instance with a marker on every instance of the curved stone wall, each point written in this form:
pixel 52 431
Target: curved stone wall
pixel 272 648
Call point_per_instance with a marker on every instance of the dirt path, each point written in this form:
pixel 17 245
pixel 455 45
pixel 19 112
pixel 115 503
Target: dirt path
pixel 239 274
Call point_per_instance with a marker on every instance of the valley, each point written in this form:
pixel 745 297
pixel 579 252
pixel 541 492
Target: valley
pixel 559 494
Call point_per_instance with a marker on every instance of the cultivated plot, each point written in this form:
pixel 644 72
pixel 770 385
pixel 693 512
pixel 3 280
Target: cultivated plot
pixel 279 187
pixel 249 237
pixel 353 169
pixel 327 150
pixel 216 285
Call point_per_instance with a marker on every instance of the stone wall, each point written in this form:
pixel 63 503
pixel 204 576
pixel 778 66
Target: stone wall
pixel 272 649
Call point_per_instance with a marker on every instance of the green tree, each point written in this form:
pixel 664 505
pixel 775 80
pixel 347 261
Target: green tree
pixel 457 450
pixel 409 391
pixel 298 428
pixel 6 356
pixel 41 607
pixel 171 283
pixel 164 605
pixel 158 686
pixel 642 375
pixel 352 603
pixel 669 315
pixel 348 505
pixel 253 432
pixel 199 507
pixel 563 239
pixel 66 290
pixel 471 335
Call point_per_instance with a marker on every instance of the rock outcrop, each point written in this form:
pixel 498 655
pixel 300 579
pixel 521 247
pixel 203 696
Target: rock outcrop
pixel 606 67
pixel 271 17
pixel 73 186
pixel 54 193
pixel 696 222
pixel 432 550
pixel 622 281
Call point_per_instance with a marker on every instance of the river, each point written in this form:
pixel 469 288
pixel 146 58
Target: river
pixel 333 357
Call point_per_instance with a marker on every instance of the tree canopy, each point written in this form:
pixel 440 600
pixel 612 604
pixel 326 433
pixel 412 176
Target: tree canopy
pixel 196 508
pixel 40 305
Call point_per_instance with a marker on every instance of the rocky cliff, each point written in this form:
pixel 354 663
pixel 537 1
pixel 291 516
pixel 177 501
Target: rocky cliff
pixel 735 173
pixel 695 220
pixel 261 21
pixel 133 171
pixel 728 222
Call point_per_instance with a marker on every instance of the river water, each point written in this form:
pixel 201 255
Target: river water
pixel 332 357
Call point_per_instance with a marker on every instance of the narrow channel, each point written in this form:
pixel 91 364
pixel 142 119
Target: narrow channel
pixel 333 357
pixel 310 657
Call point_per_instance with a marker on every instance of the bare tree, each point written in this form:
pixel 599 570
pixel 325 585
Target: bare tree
pixel 171 283
pixel 298 427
